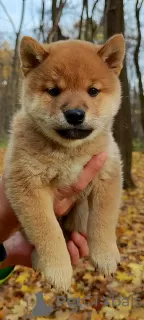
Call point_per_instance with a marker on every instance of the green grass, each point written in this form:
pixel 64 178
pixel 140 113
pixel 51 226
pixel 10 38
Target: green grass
pixel 3 142
pixel 138 145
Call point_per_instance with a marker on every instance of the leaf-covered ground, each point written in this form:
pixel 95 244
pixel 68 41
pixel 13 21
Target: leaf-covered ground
pixel 92 296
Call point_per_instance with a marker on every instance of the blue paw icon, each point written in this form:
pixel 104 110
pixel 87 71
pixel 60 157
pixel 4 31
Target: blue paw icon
pixel 41 309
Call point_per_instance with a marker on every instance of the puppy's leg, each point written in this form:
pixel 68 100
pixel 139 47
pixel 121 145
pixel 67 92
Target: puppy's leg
pixel 34 208
pixel 104 203
pixel 77 218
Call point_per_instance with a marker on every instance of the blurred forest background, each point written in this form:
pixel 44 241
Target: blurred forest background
pixel 92 20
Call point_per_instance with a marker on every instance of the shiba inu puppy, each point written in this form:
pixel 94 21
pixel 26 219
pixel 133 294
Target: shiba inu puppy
pixel 70 95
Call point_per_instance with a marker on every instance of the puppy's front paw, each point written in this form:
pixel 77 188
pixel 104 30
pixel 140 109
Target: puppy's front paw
pixel 58 271
pixel 105 258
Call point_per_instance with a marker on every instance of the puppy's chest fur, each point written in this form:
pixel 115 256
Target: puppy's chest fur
pixel 42 160
pixel 66 169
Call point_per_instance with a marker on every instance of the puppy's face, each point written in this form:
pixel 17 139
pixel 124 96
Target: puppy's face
pixel 71 88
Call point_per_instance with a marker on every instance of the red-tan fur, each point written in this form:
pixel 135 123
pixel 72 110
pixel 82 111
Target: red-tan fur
pixel 39 160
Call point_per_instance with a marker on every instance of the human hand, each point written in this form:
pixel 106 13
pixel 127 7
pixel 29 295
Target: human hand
pixel 18 249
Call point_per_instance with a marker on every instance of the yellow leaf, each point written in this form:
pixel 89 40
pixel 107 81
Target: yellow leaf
pixel 138 313
pixel 29 289
pixel 61 315
pixel 23 277
pixel 123 276
pixel 77 295
pixel 110 313
pixel 88 276
pixel 124 292
pixel 95 316
pixel 125 197
pixel 137 270
pixel 20 309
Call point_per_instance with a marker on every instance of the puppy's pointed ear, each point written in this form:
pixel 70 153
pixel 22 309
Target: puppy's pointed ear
pixel 32 54
pixel 113 52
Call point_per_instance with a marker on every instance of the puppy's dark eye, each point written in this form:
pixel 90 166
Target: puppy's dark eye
pixel 93 92
pixel 54 92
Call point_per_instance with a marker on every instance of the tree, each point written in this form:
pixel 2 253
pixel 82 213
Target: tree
pixel 114 23
pixel 41 26
pixel 138 7
pixel 57 10
pixel 17 33
pixel 88 26
pixel 10 95
pixel 15 64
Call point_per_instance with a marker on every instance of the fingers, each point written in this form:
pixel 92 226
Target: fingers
pixel 65 198
pixel 88 174
pixel 77 247
pixel 18 251
pixel 74 253
pixel 81 244
pixel 90 170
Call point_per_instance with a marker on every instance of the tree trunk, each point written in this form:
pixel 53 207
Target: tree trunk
pixel 15 57
pixel 114 23
pixel 11 94
pixel 87 20
pixel 81 20
pixel 13 83
pixel 57 10
pixel 136 59
pixel 41 26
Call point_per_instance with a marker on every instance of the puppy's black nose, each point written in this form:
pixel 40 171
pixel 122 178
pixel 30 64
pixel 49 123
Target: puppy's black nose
pixel 74 116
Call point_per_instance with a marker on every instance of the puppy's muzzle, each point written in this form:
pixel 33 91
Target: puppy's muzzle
pixel 74 116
